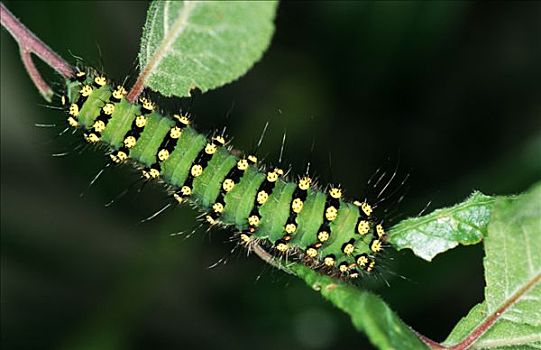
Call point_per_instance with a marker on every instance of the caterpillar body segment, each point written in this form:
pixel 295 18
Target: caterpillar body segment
pixel 291 218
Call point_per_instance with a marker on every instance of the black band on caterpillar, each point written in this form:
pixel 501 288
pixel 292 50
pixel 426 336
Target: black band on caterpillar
pixel 232 178
pixel 297 204
pixel 198 166
pixel 77 104
pixel 167 146
pixel 105 112
pixel 263 194
pixel 330 213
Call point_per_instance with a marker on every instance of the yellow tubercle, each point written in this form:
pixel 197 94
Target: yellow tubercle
pixel 311 252
pixel 73 122
pixel 86 90
pixel 108 109
pixel 99 126
pixel 210 148
pixel 141 121
pixel 211 221
pixel 119 92
pixel 178 198
pixel 305 183
pixel 147 103
pixel 92 138
pixel 218 207
pixel 242 164
pixel 100 80
pixel 175 132
pixel 196 170
pixel 362 260
pixel 323 236
pixel 253 220
pixel 262 197
pixel 376 246
pixel 245 238
pixel 74 110
pixel 228 185
pixel 186 191
pixel 182 118
pixel 335 192
pixel 331 213
pixel 329 261
pixel 297 205
pixel 122 156
pixel 219 139
pixel 151 173
pixel 363 227
pixel 163 155
pixel 380 231
pixel 348 249
pixel 282 247
pixel 130 141
pixel 371 265
pixel 272 176
pixel 290 228
pixel 252 159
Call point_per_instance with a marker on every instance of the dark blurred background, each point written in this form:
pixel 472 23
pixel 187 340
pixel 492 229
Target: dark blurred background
pixel 448 91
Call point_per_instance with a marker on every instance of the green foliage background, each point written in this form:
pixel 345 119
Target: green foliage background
pixel 449 90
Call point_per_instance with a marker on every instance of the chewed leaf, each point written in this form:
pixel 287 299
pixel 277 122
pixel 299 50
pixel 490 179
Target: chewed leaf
pixel 368 312
pixel 202 44
pixel 510 316
pixel 431 234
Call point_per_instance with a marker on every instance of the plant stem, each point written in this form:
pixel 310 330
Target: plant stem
pixel 138 87
pixel 178 27
pixel 429 342
pixel 29 44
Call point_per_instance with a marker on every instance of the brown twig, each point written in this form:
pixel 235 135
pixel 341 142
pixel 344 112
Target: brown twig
pixel 29 44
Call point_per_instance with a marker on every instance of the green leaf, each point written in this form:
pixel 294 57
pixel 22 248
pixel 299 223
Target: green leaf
pixel 368 312
pixel 503 334
pixel 428 235
pixel 202 44
pixel 511 312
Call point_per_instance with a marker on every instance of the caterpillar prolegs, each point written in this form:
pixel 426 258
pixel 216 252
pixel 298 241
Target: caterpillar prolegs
pixel 338 237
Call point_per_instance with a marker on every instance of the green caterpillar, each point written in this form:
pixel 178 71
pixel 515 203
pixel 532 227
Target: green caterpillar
pixel 293 219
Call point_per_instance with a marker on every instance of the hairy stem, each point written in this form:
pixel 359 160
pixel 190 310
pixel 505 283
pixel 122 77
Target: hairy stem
pixel 29 44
